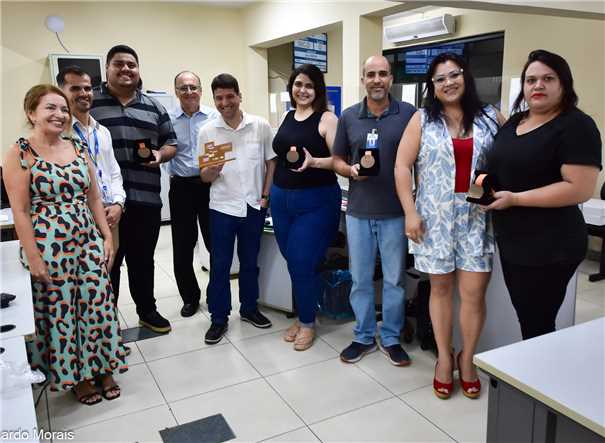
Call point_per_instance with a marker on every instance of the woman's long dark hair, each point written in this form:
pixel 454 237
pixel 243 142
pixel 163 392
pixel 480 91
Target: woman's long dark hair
pixel 470 103
pixel 569 99
pixel 320 104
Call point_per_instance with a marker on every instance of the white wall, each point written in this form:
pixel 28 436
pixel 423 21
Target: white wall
pixel 580 41
pixel 168 37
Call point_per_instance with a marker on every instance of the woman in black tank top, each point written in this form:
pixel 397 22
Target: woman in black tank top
pixel 305 197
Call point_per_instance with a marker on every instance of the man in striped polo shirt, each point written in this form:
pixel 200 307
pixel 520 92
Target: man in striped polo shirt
pixel 140 127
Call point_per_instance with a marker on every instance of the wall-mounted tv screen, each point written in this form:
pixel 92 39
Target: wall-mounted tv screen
pixel 417 62
pixel 483 53
pixel 91 64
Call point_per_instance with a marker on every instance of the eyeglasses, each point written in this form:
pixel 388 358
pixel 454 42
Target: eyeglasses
pixel 185 88
pixel 453 76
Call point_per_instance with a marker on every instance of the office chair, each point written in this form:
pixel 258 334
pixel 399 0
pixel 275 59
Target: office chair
pixel 599 231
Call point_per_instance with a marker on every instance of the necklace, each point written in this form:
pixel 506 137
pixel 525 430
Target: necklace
pixel 456 127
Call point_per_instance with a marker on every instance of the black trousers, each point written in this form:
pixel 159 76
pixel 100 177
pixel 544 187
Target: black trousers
pixel 139 232
pixel 537 293
pixel 189 198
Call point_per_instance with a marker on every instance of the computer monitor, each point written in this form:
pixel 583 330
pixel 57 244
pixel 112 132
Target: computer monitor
pixel 93 65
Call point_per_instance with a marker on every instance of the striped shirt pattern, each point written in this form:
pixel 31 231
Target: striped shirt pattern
pixel 142 118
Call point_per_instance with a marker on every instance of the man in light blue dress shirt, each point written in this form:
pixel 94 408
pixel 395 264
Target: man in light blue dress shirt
pixel 188 195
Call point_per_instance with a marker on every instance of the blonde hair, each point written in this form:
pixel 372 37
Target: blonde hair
pixel 34 96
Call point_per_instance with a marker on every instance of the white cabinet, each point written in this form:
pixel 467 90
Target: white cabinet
pixel 169 102
pixel 204 257
pixel 165 183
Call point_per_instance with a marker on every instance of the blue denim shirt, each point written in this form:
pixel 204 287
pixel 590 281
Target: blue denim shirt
pixel 185 162
pixel 435 170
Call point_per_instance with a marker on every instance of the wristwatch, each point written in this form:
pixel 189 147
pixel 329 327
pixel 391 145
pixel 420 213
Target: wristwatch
pixel 265 196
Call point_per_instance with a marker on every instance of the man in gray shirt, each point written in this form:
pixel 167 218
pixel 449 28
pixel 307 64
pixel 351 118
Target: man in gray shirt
pixel 374 215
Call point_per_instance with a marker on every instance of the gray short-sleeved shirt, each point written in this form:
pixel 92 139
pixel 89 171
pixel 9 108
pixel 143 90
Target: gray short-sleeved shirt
pixel 375 197
pixel 142 118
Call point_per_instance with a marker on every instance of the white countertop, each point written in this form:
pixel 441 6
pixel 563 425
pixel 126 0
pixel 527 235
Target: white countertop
pixel 15 279
pixel 6 218
pixel 565 370
pixel 17 410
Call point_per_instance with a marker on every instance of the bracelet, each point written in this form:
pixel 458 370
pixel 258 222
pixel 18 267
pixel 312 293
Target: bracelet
pixel 265 196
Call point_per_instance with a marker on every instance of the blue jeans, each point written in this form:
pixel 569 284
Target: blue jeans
pixel 365 237
pixel 305 222
pixel 223 231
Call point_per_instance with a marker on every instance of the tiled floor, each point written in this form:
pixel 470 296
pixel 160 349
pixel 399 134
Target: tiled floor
pixel 268 392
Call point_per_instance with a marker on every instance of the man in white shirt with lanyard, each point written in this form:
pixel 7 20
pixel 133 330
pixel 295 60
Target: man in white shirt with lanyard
pixel 239 198
pixel 77 86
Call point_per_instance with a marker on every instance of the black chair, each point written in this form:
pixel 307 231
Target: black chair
pixel 599 231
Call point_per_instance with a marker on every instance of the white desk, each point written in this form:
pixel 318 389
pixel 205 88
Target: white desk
pixel 564 371
pixel 15 279
pixel 274 281
pixel 16 407
pixel 17 411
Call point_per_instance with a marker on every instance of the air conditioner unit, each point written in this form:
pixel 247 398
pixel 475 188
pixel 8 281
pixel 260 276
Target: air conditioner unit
pixel 430 27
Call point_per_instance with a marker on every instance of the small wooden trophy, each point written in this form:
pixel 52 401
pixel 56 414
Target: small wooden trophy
pixel 295 157
pixel 482 189
pixel 143 151
pixel 369 158
pixel 214 155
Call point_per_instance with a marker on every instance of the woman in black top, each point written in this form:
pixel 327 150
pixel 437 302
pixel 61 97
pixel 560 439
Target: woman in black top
pixel 305 197
pixel 546 161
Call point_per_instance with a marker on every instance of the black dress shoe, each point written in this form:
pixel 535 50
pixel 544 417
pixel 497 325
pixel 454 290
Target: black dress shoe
pixel 189 309
pixel 215 333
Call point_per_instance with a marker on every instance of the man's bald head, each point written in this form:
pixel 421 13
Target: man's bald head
pixel 376 78
pixel 376 60
pixel 199 82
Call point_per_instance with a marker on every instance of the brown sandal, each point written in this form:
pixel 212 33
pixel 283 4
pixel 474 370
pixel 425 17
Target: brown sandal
pixel 110 392
pixel 304 338
pixel 107 392
pixel 88 399
pixel 291 332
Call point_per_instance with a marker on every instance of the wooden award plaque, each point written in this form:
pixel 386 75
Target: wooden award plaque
pixel 215 154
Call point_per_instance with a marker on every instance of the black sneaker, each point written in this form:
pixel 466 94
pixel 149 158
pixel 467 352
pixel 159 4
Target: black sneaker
pixel 257 319
pixel 155 322
pixel 355 351
pixel 215 333
pixel 396 355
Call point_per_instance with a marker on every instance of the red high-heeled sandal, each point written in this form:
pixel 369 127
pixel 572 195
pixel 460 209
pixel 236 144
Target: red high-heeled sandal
pixel 470 389
pixel 443 390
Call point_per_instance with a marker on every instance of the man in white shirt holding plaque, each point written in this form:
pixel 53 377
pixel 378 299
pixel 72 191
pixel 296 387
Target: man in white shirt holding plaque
pixel 239 198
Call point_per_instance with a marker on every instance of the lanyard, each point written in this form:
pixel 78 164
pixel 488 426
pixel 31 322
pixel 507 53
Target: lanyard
pixel 94 156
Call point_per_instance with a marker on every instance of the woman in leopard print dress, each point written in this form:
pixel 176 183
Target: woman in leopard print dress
pixel 58 215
